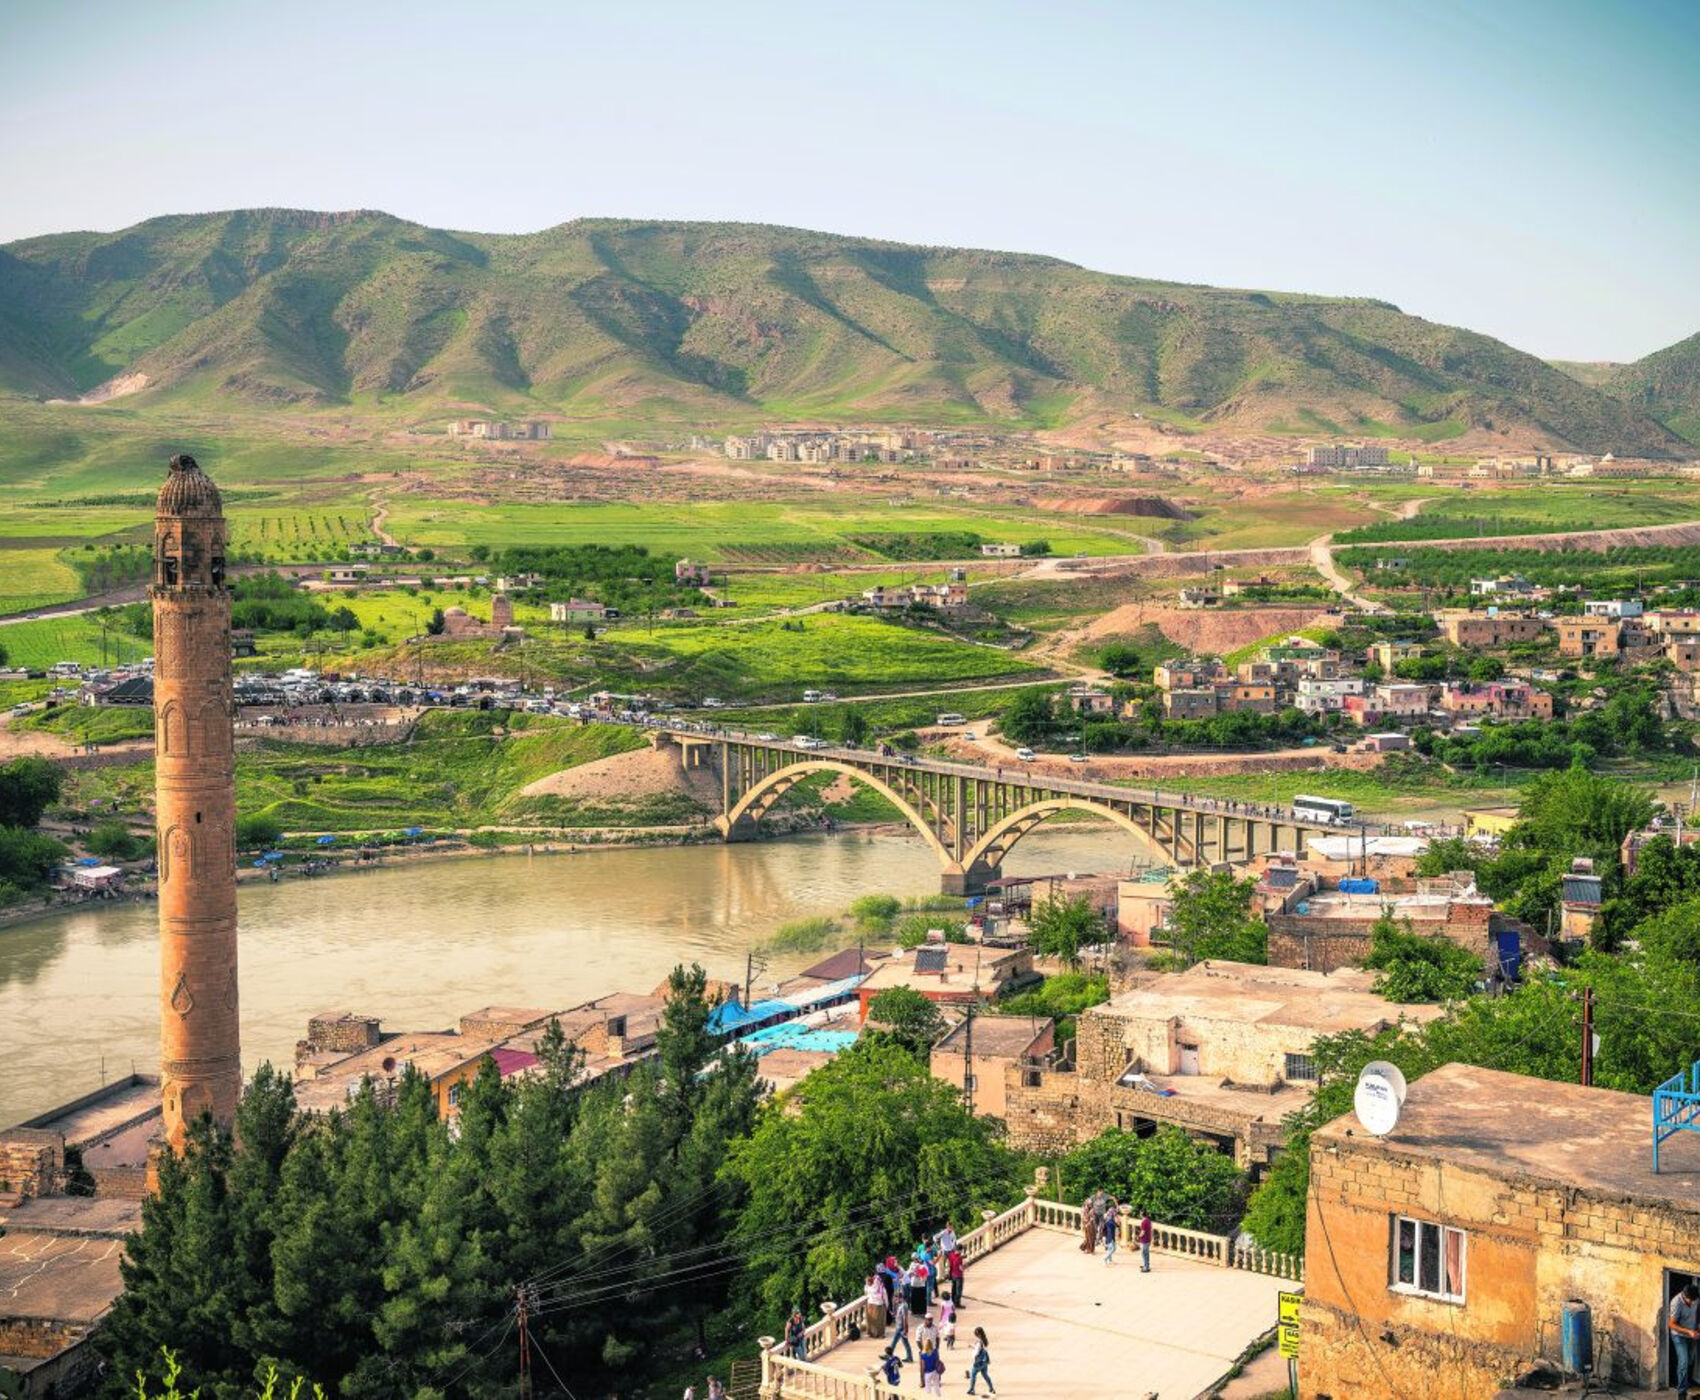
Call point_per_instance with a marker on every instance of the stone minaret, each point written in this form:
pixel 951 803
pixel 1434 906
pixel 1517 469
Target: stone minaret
pixel 195 792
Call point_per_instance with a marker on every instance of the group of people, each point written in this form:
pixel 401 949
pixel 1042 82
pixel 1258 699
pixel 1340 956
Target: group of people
pixel 925 1293
pixel 1100 1221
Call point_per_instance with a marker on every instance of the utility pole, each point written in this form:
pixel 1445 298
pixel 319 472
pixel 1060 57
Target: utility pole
pixel 968 1059
pixel 524 1350
pixel 1587 1037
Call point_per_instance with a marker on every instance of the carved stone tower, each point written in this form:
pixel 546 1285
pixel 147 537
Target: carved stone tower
pixel 195 792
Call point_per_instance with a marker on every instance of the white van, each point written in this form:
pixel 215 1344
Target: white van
pixel 950 717
pixel 810 697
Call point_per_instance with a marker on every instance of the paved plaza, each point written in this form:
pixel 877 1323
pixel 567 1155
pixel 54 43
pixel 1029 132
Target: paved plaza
pixel 1063 1325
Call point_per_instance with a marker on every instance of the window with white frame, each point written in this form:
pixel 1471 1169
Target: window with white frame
pixel 1429 1259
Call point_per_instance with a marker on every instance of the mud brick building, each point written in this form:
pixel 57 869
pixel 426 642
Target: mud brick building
pixel 1438 1260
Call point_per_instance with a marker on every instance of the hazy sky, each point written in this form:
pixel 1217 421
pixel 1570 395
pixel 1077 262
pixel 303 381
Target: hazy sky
pixel 1529 168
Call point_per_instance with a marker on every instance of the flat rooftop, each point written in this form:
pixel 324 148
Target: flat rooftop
pixel 1062 1323
pixel 1339 904
pixel 59 1259
pixel 106 1111
pixel 1324 1002
pixel 996 1035
pixel 1509 1125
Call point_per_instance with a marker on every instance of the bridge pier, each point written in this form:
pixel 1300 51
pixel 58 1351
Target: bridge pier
pixel 967 881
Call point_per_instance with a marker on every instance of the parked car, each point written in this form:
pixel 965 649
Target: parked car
pixel 1026 755
pixel 1078 758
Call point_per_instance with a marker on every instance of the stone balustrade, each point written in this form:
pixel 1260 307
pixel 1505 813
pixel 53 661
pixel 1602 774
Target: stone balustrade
pixel 786 1378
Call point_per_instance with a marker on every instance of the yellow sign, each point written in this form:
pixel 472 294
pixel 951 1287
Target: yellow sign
pixel 1287 1324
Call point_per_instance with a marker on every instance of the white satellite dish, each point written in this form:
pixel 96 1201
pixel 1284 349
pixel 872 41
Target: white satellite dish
pixel 1391 1073
pixel 1377 1100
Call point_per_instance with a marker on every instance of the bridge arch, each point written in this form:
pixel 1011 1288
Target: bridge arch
pixel 988 852
pixel 760 799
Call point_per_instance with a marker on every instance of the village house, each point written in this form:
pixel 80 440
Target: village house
pixel 951 974
pixel 1397 702
pixel 1089 701
pixel 1316 696
pixel 1507 699
pixel 1452 1246
pixel 1222 1051
pixel 1001 551
pixel 577 610
pixel 690 575
pixel 1323 929
pixel 1387 655
pixel 975 1055
pixel 1475 630
pixel 1514 585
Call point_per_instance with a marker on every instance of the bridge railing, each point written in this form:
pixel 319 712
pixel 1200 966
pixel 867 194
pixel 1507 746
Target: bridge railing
pixel 1044 783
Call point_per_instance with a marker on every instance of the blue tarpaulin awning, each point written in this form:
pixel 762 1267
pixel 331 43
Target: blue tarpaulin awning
pixel 327 840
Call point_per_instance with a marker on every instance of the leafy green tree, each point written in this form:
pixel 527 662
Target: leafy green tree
pixel 1179 1181
pixel 437 623
pixel 1210 917
pixel 1121 659
pixel 907 1019
pixel 113 840
pixel 343 620
pixel 1419 968
pixel 1029 718
pixel 853 726
pixel 870 1155
pixel 257 830
pixel 27 860
pixel 1060 928
pixel 28 787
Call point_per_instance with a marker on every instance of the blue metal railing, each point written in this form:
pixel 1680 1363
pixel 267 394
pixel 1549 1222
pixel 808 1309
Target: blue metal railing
pixel 1676 1108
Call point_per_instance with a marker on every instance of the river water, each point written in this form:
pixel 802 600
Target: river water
pixel 420 945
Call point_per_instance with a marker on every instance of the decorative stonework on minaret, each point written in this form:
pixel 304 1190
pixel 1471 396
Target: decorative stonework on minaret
pixel 195 793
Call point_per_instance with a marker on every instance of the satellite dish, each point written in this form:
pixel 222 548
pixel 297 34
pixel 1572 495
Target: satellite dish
pixel 1376 1101
pixel 1390 1072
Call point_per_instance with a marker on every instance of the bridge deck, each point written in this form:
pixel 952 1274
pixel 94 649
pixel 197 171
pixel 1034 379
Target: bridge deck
pixel 1020 777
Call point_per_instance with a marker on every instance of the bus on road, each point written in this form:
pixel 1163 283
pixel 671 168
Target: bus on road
pixel 1324 809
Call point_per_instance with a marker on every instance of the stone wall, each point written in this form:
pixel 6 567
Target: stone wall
pixel 123 1183
pixel 30 1162
pixel 1530 1248
pixel 35 1338
pixel 343 1033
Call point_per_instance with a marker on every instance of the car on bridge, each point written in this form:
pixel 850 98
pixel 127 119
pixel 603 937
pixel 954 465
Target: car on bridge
pixel 808 741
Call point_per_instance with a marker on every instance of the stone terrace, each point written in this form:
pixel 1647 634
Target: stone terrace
pixel 1065 1324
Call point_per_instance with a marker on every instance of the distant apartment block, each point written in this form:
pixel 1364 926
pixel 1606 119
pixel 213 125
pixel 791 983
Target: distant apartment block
pixel 1341 455
pixel 531 431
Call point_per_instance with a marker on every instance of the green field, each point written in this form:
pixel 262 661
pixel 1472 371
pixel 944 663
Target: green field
pixel 1550 507
pixel 764 660
pixel 457 772
pixel 42 643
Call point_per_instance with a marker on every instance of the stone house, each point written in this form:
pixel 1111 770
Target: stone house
pixel 1221 1051
pixel 1450 1247
pixel 1470 630
pixel 998 1044
pixel 1323 930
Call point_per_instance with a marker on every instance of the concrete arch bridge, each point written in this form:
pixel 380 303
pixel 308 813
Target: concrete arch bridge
pixel 971 817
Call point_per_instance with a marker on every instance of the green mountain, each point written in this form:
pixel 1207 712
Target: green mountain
pixel 1665 385
pixel 722 323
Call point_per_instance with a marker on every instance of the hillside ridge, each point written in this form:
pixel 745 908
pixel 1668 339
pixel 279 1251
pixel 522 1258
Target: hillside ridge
pixel 717 323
